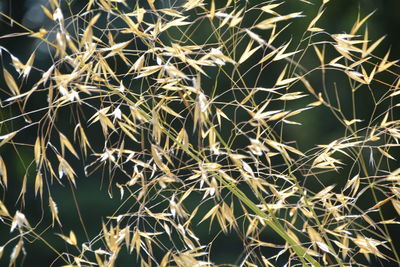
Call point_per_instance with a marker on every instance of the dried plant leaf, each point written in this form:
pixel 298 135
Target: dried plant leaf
pixel 3 173
pixel 11 82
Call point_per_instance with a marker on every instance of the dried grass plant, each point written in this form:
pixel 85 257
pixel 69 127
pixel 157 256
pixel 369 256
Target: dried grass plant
pixel 157 99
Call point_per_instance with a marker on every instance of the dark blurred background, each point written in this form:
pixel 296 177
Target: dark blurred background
pixel 92 192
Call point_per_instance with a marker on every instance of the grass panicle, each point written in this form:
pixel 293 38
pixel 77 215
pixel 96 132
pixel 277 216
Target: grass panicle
pixel 193 115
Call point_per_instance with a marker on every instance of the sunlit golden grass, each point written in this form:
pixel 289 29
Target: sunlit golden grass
pixel 176 103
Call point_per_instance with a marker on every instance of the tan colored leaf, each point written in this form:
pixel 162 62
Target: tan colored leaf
pixel 190 4
pixel 11 82
pixel 3 172
pixel 348 123
pixel 282 55
pixel 269 23
pixel 269 8
pixel 71 239
pixel 212 212
pixel 47 12
pixel 157 159
pixel 236 19
pixel 28 65
pixel 356 76
pixel 170 111
pixel 66 143
pixel 314 21
pixel 16 251
pixel 5 138
pixel 292 96
pixel 372 47
pixel 248 52
pixel 385 64
pixel 3 210
pixel 39 184
pixel 175 23
pixel 212 10
pixel 54 211
pixel 385 153
pixel 382 202
pixel 396 205
pixel 359 23
pixel 37 151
